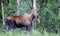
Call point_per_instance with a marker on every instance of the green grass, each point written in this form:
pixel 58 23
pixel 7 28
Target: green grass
pixel 23 33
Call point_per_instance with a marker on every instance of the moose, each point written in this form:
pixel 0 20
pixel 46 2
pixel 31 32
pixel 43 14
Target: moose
pixel 24 20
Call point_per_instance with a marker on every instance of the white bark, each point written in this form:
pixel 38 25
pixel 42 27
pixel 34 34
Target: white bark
pixel 17 7
pixel 59 11
pixel 2 12
pixel 59 8
pixel 34 5
pixel 59 16
pixel 35 8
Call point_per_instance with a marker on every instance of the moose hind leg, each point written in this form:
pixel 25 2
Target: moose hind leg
pixel 7 28
pixel 10 23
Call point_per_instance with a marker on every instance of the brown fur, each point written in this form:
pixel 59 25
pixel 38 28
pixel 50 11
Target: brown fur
pixel 25 19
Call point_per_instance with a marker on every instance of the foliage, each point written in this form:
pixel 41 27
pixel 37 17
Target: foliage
pixel 11 8
pixel 49 18
pixel 24 7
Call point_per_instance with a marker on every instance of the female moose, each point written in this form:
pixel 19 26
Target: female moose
pixel 24 20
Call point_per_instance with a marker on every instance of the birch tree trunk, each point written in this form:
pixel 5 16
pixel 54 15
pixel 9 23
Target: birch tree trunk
pixel 59 7
pixel 35 8
pixel 10 2
pixel 17 7
pixel 34 5
pixel 2 11
pixel 30 3
pixel 59 14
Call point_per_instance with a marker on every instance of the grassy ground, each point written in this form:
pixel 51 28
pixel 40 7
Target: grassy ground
pixel 23 33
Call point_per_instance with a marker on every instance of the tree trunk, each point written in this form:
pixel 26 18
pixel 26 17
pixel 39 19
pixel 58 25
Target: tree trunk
pixel 17 7
pixel 2 11
pixel 59 7
pixel 31 3
pixel 35 8
pixel 34 5
pixel 59 14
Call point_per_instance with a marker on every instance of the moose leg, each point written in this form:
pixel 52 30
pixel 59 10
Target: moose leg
pixel 10 24
pixel 7 27
pixel 28 28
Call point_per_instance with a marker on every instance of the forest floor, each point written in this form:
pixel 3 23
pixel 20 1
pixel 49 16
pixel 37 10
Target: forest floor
pixel 23 33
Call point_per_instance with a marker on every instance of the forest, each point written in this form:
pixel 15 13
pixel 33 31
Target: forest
pixel 47 23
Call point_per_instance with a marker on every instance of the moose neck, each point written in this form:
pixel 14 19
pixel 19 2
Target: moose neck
pixel 33 16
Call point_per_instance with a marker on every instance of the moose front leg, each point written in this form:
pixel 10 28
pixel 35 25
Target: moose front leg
pixel 28 28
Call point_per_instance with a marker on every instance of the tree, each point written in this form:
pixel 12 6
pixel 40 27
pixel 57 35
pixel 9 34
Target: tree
pixel 34 8
pixel 2 11
pixel 18 6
